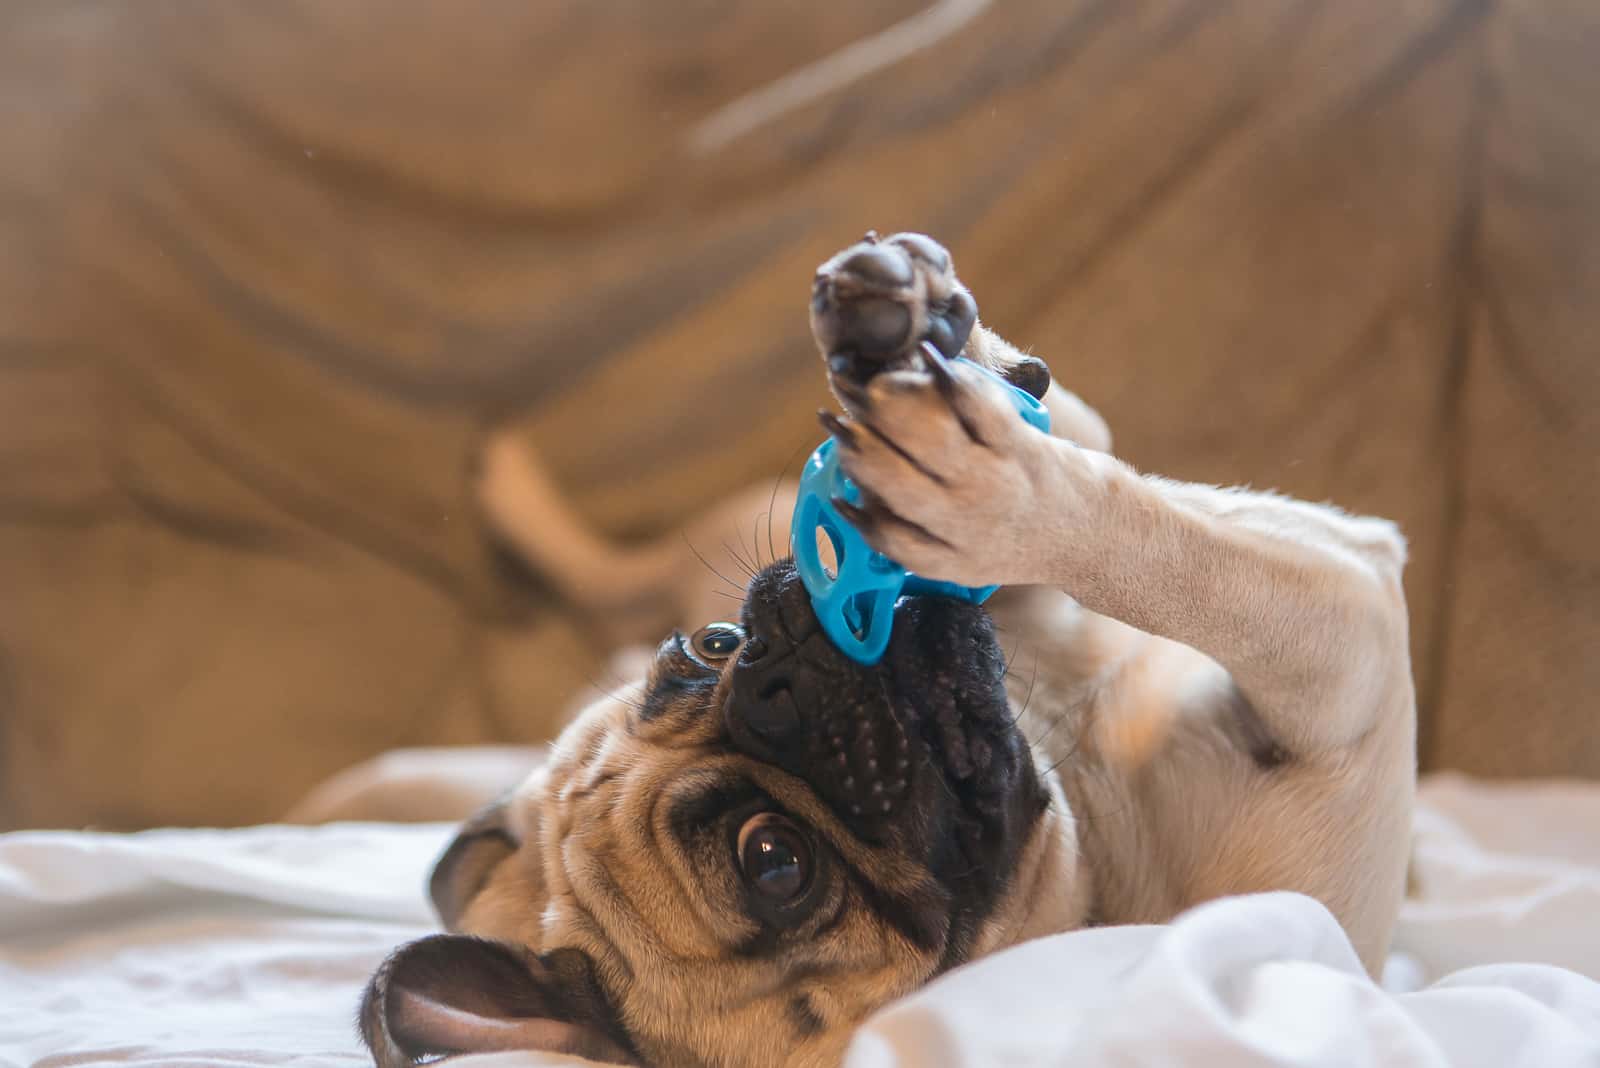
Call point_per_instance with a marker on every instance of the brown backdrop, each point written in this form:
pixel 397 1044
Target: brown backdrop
pixel 268 271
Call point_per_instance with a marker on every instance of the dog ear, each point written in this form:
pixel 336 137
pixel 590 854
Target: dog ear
pixel 449 994
pixel 479 847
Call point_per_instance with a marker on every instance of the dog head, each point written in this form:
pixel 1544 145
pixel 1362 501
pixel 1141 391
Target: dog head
pixel 739 860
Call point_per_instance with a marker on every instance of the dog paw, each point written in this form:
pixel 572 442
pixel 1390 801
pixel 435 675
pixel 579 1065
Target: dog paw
pixel 953 483
pixel 876 302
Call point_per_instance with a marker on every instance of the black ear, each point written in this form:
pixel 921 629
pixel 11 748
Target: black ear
pixel 1029 374
pixel 483 842
pixel 448 994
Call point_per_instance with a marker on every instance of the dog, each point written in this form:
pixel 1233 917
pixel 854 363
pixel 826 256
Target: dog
pixel 739 859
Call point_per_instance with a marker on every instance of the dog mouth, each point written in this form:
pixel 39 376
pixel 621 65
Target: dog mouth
pixel 928 720
pixel 923 737
pixel 947 664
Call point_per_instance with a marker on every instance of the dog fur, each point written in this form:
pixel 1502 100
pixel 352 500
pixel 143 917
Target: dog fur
pixel 1222 703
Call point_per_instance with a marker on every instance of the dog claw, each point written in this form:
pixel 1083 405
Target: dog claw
pixel 856 517
pixel 840 431
pixel 947 385
pixel 875 517
pixel 853 394
pixel 896 448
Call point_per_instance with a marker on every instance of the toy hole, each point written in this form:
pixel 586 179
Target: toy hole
pixel 859 614
pixel 829 554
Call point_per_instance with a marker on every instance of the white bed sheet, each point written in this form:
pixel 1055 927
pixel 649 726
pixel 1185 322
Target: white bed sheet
pixel 251 947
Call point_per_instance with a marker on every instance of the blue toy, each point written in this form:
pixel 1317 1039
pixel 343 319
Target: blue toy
pixel 855 604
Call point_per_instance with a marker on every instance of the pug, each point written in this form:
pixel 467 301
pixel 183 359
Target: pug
pixel 737 860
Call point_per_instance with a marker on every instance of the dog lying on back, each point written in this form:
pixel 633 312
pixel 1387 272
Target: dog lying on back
pixel 740 858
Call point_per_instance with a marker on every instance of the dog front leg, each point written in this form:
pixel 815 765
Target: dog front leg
pixel 1070 416
pixel 1300 603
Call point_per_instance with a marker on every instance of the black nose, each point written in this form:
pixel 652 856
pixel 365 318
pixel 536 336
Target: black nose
pixel 777 671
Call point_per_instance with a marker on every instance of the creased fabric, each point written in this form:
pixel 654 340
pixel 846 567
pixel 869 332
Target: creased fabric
pixel 253 946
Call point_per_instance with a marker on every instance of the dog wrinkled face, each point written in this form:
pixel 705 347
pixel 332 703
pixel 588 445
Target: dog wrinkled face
pixel 740 861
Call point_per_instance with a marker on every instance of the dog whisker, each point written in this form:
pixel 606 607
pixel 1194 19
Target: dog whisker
pixel 772 499
pixel 1054 723
pixel 1028 697
pixel 752 557
pixel 608 691
pixel 756 534
pixel 751 553
pixel 708 565
pixel 755 538
pixel 738 557
pixel 1087 815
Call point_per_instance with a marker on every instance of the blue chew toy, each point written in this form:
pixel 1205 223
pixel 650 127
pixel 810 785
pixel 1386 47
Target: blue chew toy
pixel 855 604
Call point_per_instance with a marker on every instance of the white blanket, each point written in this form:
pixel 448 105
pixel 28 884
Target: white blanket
pixel 251 947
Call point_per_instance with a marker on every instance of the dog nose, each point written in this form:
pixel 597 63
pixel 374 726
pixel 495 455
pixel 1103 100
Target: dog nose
pixel 763 702
pixel 773 679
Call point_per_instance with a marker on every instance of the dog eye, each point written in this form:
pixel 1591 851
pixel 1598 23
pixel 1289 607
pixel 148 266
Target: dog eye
pixel 716 642
pixel 775 858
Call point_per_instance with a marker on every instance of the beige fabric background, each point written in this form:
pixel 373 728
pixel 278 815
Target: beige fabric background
pixel 269 271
